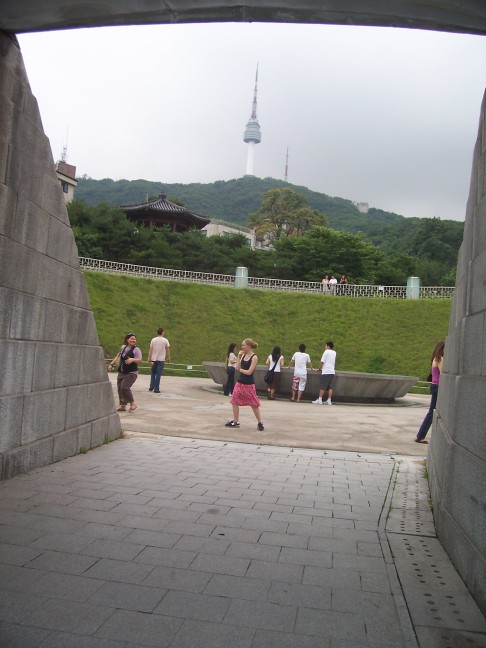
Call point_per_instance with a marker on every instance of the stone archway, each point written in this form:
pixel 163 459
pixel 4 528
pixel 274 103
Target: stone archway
pixel 54 394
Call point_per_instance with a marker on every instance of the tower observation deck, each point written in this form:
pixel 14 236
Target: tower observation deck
pixel 252 133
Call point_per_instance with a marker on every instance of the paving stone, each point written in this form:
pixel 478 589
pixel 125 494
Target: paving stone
pixel 310 596
pixel 203 530
pixel 270 639
pixel 371 605
pixel 65 586
pixel 333 545
pixel 165 557
pixel 359 563
pixel 230 533
pixel 127 596
pixel 335 578
pixel 114 550
pixel 70 616
pixel 119 570
pixel 331 624
pixel 188 605
pixel 252 589
pixel 305 557
pixel 151 538
pixel 72 543
pixel 177 579
pixel 105 531
pixel 256 614
pixel 58 561
pixel 195 634
pixel 202 545
pixel 284 539
pixel 221 564
pixel 275 571
pixel 140 629
pixel 11 554
pixel 94 504
pixel 65 639
pixel 13 635
pixel 374 582
pixel 249 550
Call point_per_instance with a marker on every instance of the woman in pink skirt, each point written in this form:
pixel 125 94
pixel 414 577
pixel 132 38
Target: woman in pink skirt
pixel 244 392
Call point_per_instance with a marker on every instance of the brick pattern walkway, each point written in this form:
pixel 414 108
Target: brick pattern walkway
pixel 185 543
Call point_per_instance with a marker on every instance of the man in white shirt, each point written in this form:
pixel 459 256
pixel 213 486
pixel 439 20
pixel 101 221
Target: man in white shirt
pixel 301 361
pixel 332 285
pixel 327 364
pixel 158 354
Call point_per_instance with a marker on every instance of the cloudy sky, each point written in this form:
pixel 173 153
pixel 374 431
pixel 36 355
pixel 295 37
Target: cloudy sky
pixel 384 116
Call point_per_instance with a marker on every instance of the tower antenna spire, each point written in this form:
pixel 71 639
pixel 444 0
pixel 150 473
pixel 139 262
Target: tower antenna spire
pixel 252 133
pixel 286 176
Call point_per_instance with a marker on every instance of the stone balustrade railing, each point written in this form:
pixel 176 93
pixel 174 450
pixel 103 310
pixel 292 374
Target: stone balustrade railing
pixel 349 290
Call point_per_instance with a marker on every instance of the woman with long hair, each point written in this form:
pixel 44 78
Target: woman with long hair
pixel 231 360
pixel 244 392
pixel 275 359
pixel 436 360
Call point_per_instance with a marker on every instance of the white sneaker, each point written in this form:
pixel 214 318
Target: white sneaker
pixel 318 401
pixel 328 402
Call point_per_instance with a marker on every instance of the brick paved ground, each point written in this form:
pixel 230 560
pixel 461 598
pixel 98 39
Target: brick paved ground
pixel 181 543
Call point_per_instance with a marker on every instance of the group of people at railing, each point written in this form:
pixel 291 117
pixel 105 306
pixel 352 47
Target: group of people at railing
pixel 330 285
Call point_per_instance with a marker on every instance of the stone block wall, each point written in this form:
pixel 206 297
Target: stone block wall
pixel 457 451
pixel 55 397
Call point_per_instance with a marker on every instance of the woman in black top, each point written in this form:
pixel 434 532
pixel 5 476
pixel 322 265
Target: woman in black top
pixel 244 392
pixel 129 356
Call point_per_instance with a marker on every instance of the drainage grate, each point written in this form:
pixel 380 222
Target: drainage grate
pixel 435 594
pixel 443 612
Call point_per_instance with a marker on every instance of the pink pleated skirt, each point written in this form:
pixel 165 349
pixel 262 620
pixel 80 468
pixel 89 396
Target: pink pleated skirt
pixel 245 395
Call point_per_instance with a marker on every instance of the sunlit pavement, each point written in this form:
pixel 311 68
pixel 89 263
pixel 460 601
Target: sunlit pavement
pixel 316 533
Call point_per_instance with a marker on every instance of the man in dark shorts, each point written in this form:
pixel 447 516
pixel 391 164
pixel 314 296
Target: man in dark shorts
pixel 327 364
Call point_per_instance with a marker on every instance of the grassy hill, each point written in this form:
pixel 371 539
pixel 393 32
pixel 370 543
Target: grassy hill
pixel 371 335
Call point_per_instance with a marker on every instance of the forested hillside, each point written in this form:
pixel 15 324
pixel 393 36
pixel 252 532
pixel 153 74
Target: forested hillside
pixel 427 247
pixel 234 200
pixel 231 200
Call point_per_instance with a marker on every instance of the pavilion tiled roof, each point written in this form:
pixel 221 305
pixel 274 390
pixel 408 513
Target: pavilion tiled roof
pixel 165 208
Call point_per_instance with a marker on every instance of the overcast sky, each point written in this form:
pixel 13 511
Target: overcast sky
pixel 384 116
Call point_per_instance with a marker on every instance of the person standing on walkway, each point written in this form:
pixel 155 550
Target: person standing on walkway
pixel 332 285
pixel 301 360
pixel 275 361
pixel 159 353
pixel 231 360
pixel 127 359
pixel 327 364
pixel 244 392
pixel 325 284
pixel 437 357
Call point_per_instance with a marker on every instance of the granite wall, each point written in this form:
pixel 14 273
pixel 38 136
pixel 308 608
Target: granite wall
pixel 55 397
pixel 457 451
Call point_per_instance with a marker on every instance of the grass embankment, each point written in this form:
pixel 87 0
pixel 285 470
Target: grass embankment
pixel 372 335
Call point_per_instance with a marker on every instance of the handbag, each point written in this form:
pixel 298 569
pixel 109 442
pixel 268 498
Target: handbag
pixel 268 377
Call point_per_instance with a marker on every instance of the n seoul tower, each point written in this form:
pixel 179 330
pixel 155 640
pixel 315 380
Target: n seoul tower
pixel 252 133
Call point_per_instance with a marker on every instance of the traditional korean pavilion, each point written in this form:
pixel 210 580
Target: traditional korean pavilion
pixel 160 212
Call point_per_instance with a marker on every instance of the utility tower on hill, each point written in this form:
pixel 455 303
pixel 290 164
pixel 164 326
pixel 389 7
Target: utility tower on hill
pixel 252 133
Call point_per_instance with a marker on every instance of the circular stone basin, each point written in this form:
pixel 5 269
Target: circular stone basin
pixel 348 386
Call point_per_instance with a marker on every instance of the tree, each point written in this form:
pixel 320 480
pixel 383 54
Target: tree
pixel 284 213
pixel 326 251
